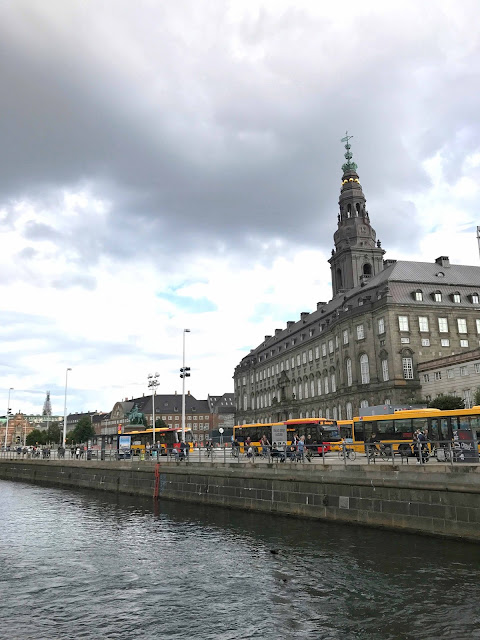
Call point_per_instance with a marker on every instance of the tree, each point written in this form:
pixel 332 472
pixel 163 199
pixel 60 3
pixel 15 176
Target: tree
pixel 36 437
pixel 160 424
pixel 83 430
pixel 53 433
pixel 447 403
pixel 476 397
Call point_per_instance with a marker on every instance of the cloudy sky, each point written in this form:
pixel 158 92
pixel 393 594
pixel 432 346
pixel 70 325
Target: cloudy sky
pixel 171 165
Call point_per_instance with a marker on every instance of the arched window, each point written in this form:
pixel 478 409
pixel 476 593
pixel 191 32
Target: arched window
pixel 349 210
pixel 349 410
pixel 364 404
pixel 300 391
pixel 335 413
pixel 364 369
pixel 325 380
pixel 339 412
pixel 333 382
pixel 348 366
pixel 319 386
pixel 294 392
pixel 307 414
pixel 339 279
pixel 306 389
pixel 357 207
pixel 367 269
pixel 312 387
pixel 327 413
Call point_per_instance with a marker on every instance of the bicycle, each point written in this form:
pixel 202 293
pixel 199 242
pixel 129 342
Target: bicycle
pixel 347 453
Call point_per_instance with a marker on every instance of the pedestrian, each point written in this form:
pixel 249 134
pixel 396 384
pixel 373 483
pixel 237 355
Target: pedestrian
pixel 265 445
pixel 301 448
pixel 77 453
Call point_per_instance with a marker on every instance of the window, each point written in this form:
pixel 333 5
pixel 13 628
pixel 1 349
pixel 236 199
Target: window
pixel 407 364
pixel 464 371
pixel 476 367
pixel 312 388
pixel 287 364
pixel 464 343
pixel 310 355
pixel 443 325
pixel 462 325
pixel 423 323
pixel 403 323
pixel 381 325
pixel 349 410
pixel 426 377
pixel 333 383
pixel 300 391
pixel 477 322
pixel 335 413
pixel 418 295
pixel 360 332
pixel 345 336
pixel 298 359
pixel 437 375
pixel 330 346
pixel 437 296
pixel 425 342
pixel 405 340
pixel 319 386
pixel 292 362
pixel 281 366
pixel 324 349
pixel 326 384
pixel 467 398
pixel 385 370
pixel 348 365
pixel 363 404
pixel 450 373
pixel 317 352
pixel 337 342
pixel 445 342
pixel 456 298
pixel 327 413
pixel 474 298
pixel 364 369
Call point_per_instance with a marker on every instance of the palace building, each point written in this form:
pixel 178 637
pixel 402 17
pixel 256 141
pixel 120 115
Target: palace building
pixel 365 345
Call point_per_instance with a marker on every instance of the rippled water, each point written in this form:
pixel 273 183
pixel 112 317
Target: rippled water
pixel 85 565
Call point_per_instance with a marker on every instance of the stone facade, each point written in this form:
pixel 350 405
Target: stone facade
pixel 457 375
pixel 364 346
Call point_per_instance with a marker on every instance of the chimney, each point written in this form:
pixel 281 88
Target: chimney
pixel 303 315
pixel 267 338
pixel 278 331
pixel 443 261
pixel 320 304
pixel 290 323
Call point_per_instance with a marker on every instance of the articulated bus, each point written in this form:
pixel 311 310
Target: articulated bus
pixel 317 431
pixel 165 437
pixel 398 428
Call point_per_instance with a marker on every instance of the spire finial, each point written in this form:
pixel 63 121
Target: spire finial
pixel 349 165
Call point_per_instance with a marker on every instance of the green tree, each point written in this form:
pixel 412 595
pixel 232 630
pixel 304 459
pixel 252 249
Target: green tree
pixel 160 424
pixel 36 437
pixel 476 397
pixel 53 433
pixel 447 403
pixel 83 430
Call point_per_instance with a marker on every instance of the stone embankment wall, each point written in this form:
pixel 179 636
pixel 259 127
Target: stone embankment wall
pixel 438 500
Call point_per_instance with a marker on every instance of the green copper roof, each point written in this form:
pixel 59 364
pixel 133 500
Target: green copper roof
pixel 349 165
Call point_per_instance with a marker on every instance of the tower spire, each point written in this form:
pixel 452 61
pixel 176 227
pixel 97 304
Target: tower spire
pixel 357 255
pixel 349 165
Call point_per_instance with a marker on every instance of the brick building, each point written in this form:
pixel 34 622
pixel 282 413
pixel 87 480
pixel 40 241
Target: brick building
pixel 365 345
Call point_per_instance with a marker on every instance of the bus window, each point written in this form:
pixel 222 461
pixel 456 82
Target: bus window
pixel 346 432
pixel 419 423
pixel 439 429
pixel 359 432
pixel 368 429
pixel 403 429
pixel 385 429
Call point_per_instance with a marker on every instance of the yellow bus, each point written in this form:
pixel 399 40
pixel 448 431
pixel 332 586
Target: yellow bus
pixel 397 429
pixel 255 432
pixel 166 438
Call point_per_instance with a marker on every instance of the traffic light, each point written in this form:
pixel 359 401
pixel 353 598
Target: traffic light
pixel 184 372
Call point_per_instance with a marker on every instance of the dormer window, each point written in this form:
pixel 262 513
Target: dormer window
pixel 456 297
pixel 474 298
pixel 437 296
pixel 418 295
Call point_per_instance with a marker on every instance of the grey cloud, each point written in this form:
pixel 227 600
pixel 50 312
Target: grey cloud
pixel 40 231
pixel 67 281
pixel 222 151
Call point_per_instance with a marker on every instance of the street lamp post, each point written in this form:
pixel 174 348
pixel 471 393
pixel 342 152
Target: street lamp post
pixel 65 410
pixel 8 417
pixel 153 384
pixel 185 373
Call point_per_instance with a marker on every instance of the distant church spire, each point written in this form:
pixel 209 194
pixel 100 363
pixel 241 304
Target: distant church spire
pixel 356 257
pixel 47 406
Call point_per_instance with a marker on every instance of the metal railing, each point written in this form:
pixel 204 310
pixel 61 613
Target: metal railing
pixel 392 452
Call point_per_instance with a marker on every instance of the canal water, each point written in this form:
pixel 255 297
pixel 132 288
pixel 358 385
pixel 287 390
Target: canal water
pixel 88 565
